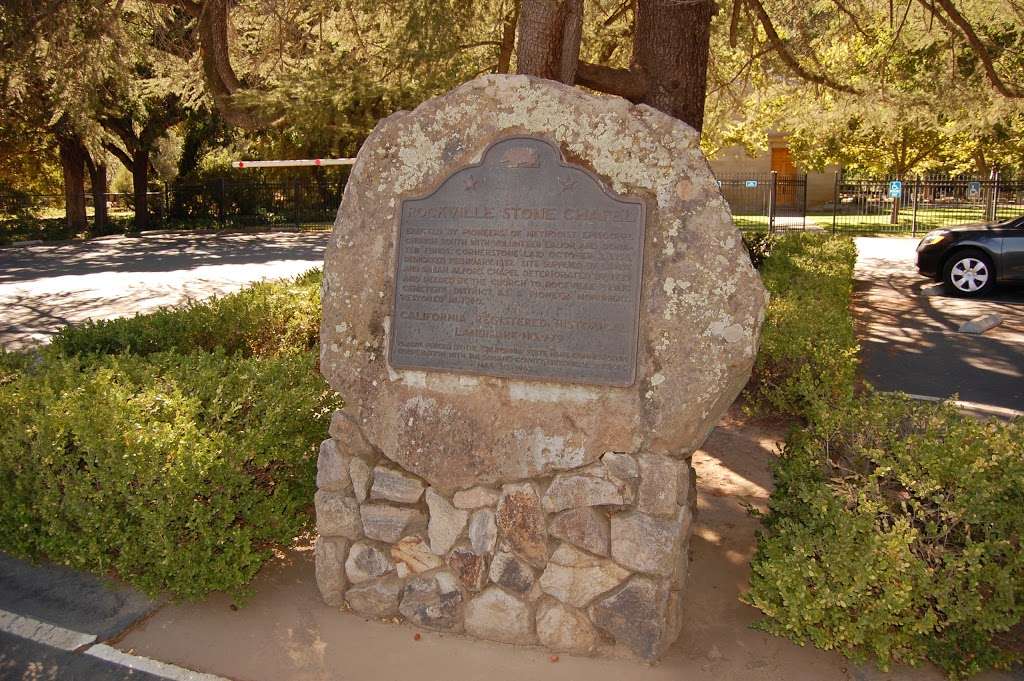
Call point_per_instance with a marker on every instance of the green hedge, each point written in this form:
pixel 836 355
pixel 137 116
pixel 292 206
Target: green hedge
pixel 808 355
pixel 265 319
pixel 895 530
pixel 179 472
pixel 895 527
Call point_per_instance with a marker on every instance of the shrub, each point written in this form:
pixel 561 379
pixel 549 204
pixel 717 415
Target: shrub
pixel 759 246
pixel 808 355
pixel 177 471
pixel 895 530
pixel 265 319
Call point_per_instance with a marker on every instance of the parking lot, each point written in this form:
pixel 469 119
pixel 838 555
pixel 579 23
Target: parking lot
pixel 911 342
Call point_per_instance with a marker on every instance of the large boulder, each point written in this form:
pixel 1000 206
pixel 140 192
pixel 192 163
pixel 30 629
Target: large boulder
pixel 702 304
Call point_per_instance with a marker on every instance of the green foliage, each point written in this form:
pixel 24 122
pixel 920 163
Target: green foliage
pixel 808 355
pixel 759 246
pixel 266 319
pixel 895 532
pixel 177 471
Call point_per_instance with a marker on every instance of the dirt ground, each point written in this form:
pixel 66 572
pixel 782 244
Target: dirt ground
pixel 285 632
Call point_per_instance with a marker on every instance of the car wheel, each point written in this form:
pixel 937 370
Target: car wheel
pixel 969 273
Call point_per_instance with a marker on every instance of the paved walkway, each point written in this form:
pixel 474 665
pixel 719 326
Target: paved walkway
pixel 42 288
pixel 910 342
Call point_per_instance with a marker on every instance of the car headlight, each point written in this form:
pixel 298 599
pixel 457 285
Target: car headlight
pixel 934 237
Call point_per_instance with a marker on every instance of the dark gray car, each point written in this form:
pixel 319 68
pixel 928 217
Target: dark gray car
pixel 971 259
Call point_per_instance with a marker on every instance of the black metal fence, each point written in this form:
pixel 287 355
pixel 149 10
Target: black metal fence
pixel 767 201
pixel 891 205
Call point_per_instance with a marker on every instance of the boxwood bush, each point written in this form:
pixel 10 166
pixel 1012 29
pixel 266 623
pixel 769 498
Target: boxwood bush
pixel 895 530
pixel 176 471
pixel 268 318
pixel 808 355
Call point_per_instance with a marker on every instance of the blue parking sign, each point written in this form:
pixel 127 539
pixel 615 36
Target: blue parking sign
pixel 973 188
pixel 895 189
pixel 751 184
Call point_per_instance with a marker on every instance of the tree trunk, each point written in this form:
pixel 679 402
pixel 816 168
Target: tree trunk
pixel 140 186
pixel 508 39
pixel 549 38
pixel 98 180
pixel 670 48
pixel 72 161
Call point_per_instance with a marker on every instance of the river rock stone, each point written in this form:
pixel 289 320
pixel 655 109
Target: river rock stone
pixel 433 601
pixel 576 578
pixel 376 598
pixel 414 553
pixel 483 531
pixel 497 616
pixel 390 484
pixel 565 629
pixel 332 468
pixel 361 476
pixel 330 555
pixel 476 497
pixel 648 544
pixel 469 566
pixel 593 486
pixel 337 515
pixel 585 527
pixel 388 523
pixel 522 522
pixel 512 572
pixel 702 310
pixel 660 480
pixel 642 614
pixel 446 523
pixel 366 562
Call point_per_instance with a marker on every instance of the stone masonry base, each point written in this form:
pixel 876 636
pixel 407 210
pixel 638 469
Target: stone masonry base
pixel 584 561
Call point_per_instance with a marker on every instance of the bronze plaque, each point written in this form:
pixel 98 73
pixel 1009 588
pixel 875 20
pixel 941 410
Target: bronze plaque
pixel 522 266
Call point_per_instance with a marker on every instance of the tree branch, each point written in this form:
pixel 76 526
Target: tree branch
pixel 628 83
pixel 979 50
pixel 788 57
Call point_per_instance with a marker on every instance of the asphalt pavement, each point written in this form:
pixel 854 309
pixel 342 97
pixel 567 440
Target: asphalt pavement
pixel 910 342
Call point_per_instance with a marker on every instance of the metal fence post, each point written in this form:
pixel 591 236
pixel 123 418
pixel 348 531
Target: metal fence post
pixel 803 209
pixel 917 193
pixel 771 200
pixel 995 198
pixel 835 203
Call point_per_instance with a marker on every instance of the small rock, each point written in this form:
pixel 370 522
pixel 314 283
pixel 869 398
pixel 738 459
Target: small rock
pixel 483 531
pixel 522 522
pixel 433 601
pixel 446 523
pixel 469 566
pixel 476 497
pixel 337 515
pixel 376 598
pixel 576 578
pixel 330 569
pixel 620 465
pixel 366 562
pixel 361 476
pixel 592 488
pixel 585 527
pixel 565 629
pixel 496 616
pixel 332 468
pixel 647 544
pixel 659 485
pixel 390 484
pixel 512 572
pixel 387 523
pixel 636 614
pixel 981 324
pixel 414 553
